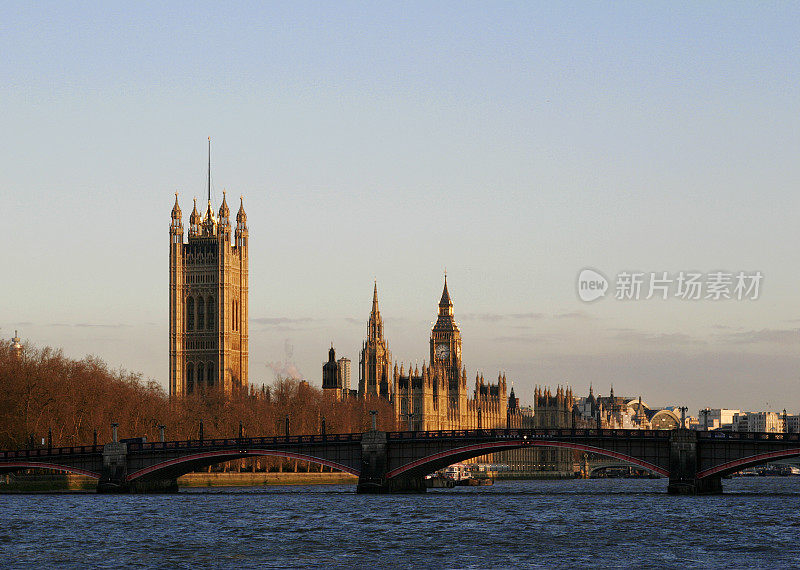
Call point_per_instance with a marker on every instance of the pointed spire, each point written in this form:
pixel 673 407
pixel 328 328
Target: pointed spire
pixel 241 217
pixel 224 211
pixel 194 221
pixel 209 172
pixel 375 309
pixel 445 300
pixel 176 209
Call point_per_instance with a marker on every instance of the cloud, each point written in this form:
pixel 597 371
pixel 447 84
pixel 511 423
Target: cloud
pixel 574 315
pixel 91 325
pixel 495 317
pixel 526 339
pixel 665 340
pixel 771 336
pixel 352 321
pixel 281 320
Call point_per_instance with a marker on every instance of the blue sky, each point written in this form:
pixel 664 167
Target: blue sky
pixel 512 143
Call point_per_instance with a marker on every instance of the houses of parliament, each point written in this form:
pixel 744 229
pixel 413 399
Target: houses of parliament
pixel 434 397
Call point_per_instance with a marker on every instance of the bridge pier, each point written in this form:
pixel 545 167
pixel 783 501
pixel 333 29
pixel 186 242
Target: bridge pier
pixel 113 478
pixel 374 462
pixel 115 468
pixel 683 467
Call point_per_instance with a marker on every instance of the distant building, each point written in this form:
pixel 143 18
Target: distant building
pixel 758 422
pixel 624 412
pixel 716 418
pixel 336 376
pixel 343 374
pixel 16 347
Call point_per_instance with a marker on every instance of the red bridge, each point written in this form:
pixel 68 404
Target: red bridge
pixel 694 461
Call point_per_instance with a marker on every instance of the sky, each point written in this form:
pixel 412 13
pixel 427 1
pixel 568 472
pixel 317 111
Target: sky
pixel 511 144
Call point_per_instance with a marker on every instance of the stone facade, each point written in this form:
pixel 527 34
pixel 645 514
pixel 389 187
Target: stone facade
pixel 208 302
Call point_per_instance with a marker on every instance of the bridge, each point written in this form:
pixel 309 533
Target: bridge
pixel 693 461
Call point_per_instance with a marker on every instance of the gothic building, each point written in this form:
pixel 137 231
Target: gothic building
pixel 208 306
pixel 435 397
pixel 374 365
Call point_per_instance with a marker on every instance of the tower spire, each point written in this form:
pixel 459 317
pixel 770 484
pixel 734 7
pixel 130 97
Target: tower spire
pixel 209 170
pixel 375 298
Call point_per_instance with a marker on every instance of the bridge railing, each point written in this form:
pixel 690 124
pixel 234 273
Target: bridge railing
pixel 48 452
pixel 748 435
pixel 235 442
pixel 530 433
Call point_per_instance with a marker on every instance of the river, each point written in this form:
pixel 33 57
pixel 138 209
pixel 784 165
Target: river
pixel 598 523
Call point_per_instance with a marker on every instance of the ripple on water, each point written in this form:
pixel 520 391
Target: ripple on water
pixel 514 524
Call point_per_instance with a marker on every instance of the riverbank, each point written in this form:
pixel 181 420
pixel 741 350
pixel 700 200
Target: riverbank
pixel 262 479
pixel 70 483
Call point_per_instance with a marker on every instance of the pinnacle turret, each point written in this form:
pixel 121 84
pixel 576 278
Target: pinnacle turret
pixel 194 221
pixel 224 211
pixel 176 209
pixel 241 217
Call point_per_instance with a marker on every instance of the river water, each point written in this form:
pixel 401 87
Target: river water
pixel 599 523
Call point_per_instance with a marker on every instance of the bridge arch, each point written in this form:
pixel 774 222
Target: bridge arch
pixel 175 467
pixel 437 461
pixel 745 462
pixel 18 465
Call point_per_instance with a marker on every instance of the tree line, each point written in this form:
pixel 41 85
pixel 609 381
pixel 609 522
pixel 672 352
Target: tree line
pixel 46 396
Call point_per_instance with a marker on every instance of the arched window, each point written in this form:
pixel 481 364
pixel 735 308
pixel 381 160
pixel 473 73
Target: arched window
pixel 210 377
pixel 190 378
pixel 233 314
pixel 201 314
pixel 190 314
pixel 211 316
pixel 200 370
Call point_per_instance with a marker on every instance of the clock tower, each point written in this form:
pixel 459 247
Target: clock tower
pixel 446 340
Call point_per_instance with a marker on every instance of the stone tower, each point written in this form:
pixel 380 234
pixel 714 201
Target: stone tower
pixel 208 301
pixel 330 375
pixel 446 342
pixel 375 361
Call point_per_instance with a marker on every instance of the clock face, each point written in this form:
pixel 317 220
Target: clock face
pixel 442 351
